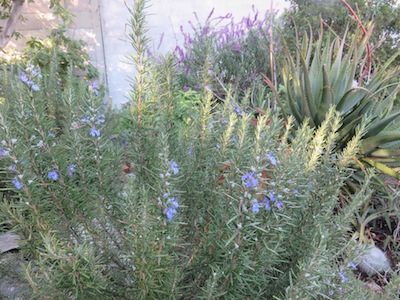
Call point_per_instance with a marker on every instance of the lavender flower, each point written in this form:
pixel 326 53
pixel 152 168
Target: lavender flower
pixel 250 180
pixel 18 185
pixel 53 175
pixel 94 132
pixel 12 168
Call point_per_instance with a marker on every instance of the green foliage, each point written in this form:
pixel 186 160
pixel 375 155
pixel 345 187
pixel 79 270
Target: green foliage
pixel 213 206
pixel 323 76
pixel 232 54
pixel 59 183
pixel 57 48
pixel 383 14
pixel 57 5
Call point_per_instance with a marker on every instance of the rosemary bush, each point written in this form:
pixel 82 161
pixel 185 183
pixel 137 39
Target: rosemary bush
pixel 213 206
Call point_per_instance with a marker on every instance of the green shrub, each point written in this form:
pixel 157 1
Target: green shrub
pixel 213 206
pixel 231 54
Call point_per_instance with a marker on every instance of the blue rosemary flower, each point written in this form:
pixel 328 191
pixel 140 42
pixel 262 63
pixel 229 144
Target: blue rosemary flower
pixel 272 158
pixel 18 185
pixel 343 277
pixel 71 170
pixel 174 203
pixel 170 212
pixel 94 87
pixel 250 180
pixel 94 132
pixel 174 167
pixel 266 203
pixel 3 152
pixel 53 175
pixel 23 77
pixel 238 111
pixel 279 205
pixel 255 208
pixel 272 195
pixel 35 87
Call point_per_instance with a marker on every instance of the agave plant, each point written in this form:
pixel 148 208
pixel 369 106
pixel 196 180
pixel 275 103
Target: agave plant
pixel 323 74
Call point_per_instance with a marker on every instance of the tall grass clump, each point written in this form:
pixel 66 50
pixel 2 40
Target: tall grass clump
pixel 210 206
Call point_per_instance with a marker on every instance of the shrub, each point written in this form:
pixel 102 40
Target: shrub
pixel 228 53
pixel 57 172
pixel 212 207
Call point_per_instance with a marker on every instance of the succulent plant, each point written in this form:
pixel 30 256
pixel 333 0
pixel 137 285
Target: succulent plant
pixel 323 74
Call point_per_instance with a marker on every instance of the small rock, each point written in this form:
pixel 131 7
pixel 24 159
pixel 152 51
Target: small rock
pixel 373 261
pixel 9 241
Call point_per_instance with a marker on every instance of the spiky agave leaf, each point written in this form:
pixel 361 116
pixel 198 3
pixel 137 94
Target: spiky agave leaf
pixel 322 75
